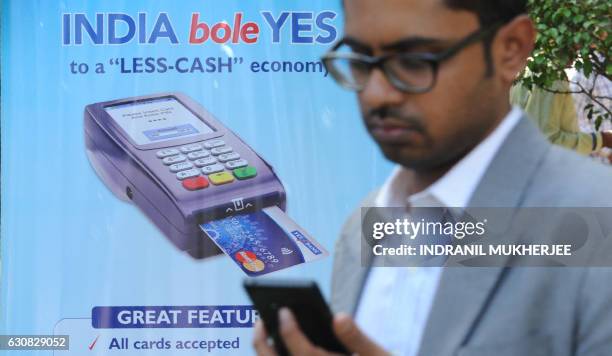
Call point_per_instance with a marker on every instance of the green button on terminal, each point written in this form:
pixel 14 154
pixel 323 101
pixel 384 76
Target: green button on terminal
pixel 245 172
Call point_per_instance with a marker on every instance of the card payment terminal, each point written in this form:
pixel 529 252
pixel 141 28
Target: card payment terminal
pixel 178 164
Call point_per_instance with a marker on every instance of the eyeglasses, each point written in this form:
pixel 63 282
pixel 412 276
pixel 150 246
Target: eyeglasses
pixel 408 72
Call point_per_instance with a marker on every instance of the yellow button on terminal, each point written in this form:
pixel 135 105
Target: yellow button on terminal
pixel 221 178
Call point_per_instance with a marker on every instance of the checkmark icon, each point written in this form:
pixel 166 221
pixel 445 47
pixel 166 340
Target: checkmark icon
pixel 93 344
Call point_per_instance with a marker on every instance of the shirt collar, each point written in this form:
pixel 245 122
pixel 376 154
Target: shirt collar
pixel 456 187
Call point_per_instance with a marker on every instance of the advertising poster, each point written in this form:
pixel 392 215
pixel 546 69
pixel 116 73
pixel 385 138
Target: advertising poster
pixel 306 177
pixel 76 245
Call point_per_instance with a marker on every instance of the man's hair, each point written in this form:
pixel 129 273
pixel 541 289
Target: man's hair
pixel 490 13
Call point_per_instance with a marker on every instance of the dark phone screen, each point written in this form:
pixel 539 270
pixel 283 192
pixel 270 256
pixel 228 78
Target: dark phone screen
pixel 305 301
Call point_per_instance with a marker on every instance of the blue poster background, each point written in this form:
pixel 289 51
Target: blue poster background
pixel 69 245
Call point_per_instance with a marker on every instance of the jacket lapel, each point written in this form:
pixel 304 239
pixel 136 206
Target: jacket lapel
pixel 464 292
pixel 351 266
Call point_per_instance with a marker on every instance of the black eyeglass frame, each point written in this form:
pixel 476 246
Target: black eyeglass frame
pixel 433 59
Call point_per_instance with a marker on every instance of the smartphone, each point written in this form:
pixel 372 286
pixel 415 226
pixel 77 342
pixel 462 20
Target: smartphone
pixel 305 301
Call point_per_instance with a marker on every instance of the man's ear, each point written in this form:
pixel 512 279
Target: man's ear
pixel 512 46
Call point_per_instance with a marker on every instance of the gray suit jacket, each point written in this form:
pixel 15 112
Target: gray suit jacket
pixel 510 311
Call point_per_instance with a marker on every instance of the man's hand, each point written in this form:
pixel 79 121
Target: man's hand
pixel 298 344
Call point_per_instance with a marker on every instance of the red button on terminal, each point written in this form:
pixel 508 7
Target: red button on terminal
pixel 195 183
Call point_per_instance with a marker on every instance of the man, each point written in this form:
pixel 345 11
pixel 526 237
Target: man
pixel 558 118
pixel 433 80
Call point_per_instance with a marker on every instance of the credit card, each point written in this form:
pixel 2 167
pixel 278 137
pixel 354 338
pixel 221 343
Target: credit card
pixel 264 241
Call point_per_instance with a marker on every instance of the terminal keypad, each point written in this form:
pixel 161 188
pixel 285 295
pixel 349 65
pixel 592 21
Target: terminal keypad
pixel 212 158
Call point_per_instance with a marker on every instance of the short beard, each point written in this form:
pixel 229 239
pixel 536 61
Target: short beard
pixel 482 121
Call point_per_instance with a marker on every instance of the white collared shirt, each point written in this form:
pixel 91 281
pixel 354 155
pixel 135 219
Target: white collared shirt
pixel 396 301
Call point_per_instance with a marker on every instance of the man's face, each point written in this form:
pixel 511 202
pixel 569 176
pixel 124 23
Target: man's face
pixel 432 130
